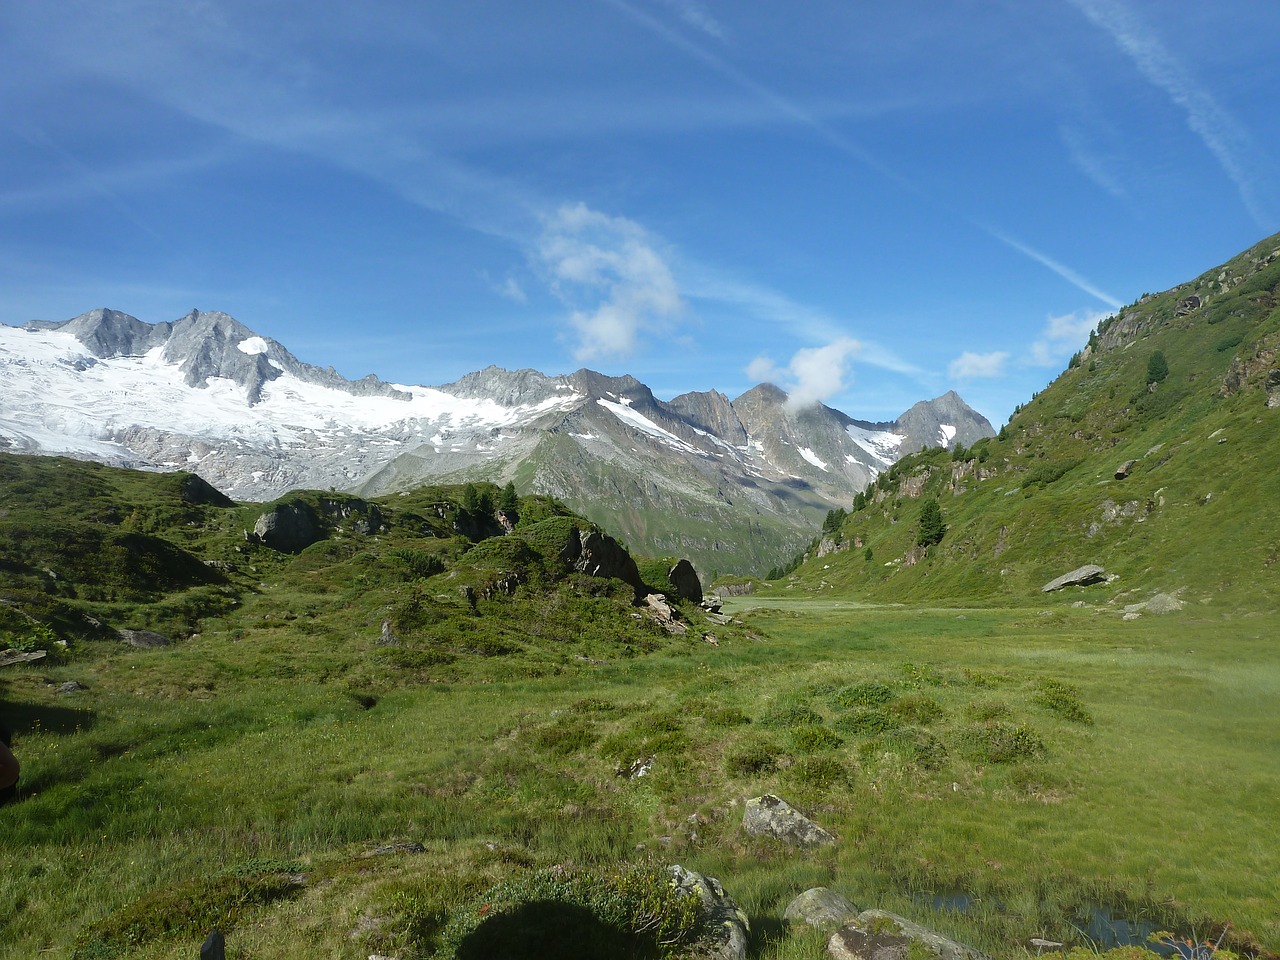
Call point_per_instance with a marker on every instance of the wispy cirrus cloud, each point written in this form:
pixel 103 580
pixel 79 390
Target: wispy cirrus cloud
pixel 794 112
pixel 697 16
pixel 1224 137
pixel 611 273
pixel 1090 162
pixel 1062 270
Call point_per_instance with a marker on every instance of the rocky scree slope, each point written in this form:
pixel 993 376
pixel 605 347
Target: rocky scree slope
pixel 1155 455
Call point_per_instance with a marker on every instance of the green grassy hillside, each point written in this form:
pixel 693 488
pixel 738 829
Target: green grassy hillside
pixel 1182 383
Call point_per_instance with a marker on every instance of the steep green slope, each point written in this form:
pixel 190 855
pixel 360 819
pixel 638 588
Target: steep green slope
pixel 1186 384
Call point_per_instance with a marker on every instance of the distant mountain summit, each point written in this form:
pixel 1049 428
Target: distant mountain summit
pixel 735 485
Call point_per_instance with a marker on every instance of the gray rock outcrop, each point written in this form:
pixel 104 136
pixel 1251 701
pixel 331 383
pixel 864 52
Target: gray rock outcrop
pixel 880 935
pixel 1125 469
pixel 770 816
pixel 1084 576
pixel 685 581
pixel 820 907
pixel 143 639
pixel 1161 603
pixel 727 923
pixel 288 527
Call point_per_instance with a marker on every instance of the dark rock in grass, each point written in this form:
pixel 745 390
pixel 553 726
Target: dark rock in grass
pixel 144 639
pixel 194 489
pixel 726 922
pixel 214 947
pixel 1084 576
pixel 71 686
pixel 769 816
pixel 685 581
pixel 1125 469
pixel 880 935
pixel 288 527
pixel 820 907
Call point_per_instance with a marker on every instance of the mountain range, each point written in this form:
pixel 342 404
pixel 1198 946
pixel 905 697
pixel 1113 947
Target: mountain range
pixel 734 485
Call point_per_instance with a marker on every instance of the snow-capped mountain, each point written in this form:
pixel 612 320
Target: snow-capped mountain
pixel 731 484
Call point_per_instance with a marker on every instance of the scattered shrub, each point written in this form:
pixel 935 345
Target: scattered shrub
pixel 751 757
pixel 999 742
pixel 916 709
pixel 1063 699
pixel 812 739
pixel 867 723
pixel 188 909
pixel 631 913
pixel 984 710
pixel 819 773
pixel 862 695
pixel 567 735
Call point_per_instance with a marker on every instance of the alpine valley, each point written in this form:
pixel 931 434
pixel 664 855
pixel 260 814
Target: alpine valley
pixel 734 485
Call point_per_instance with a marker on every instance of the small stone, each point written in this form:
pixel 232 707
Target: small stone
pixel 770 816
pixel 71 686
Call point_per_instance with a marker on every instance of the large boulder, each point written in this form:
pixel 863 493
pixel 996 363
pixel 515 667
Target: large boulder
pixel 727 922
pixel 599 555
pixel 288 527
pixel 684 579
pixel 769 816
pixel 1084 576
pixel 820 907
pixel 880 935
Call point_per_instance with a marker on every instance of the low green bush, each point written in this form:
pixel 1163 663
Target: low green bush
pixel 916 709
pixel 1000 742
pixel 862 695
pixel 812 739
pixel 188 909
pixel 1063 699
pixel 634 912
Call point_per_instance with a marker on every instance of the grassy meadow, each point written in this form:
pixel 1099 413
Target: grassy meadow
pixel 1035 765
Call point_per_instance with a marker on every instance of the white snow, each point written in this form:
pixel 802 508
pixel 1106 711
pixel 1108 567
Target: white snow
pixel 813 458
pixel 946 433
pixel 252 346
pixel 881 444
pixel 58 398
pixel 622 410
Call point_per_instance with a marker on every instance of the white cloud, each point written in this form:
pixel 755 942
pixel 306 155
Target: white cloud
pixel 1062 336
pixel 970 366
pixel 610 271
pixel 813 375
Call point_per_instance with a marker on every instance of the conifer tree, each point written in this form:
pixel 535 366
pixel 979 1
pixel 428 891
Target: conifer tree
pixel 932 528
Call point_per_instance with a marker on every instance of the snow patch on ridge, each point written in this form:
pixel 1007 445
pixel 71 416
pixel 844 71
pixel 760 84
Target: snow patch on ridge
pixel 813 458
pixel 946 433
pixel 639 421
pixel 252 346
pixel 883 445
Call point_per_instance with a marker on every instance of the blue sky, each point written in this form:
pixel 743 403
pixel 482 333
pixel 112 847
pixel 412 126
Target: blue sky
pixel 869 204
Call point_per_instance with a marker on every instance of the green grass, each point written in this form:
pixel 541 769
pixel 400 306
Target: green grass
pixel 195 782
